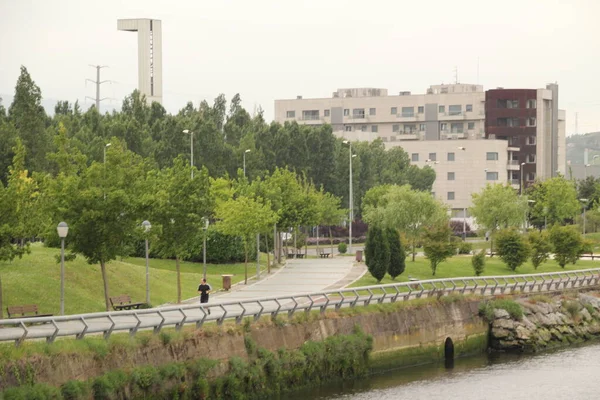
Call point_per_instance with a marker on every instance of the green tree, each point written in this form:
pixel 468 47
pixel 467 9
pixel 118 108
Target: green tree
pixel 541 246
pixel 497 207
pixel 244 217
pixel 478 262
pixel 330 212
pixel 377 252
pixel 567 243
pixel 555 200
pixel 512 248
pixel 437 245
pixel 397 254
pixel 178 206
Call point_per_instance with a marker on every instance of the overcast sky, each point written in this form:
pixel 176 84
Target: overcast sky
pixel 271 49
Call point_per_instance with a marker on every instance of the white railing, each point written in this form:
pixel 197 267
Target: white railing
pixel 49 328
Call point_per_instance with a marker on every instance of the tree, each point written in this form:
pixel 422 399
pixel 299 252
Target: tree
pixel 377 252
pixel 567 243
pixel 497 207
pixel 244 217
pixel 178 206
pixel 555 201
pixel 397 254
pixel 512 248
pixel 330 212
pixel 478 262
pixel 408 211
pixel 541 246
pixel 437 245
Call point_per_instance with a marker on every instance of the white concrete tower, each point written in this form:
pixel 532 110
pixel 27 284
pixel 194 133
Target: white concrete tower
pixel 149 55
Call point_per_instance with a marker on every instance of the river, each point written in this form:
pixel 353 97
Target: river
pixel 571 373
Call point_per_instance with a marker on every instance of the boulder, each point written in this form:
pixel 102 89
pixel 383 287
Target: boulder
pixel 501 314
pixel 523 333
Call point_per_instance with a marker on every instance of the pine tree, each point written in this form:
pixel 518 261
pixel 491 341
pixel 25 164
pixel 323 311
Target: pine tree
pixel 397 254
pixel 377 253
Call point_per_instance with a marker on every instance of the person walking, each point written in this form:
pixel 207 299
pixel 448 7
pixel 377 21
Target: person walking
pixel 204 289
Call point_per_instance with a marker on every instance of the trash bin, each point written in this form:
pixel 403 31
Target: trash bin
pixel 226 282
pixel 359 255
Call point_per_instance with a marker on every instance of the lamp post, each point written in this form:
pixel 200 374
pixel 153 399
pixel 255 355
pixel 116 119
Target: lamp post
pixel 191 150
pixel 584 201
pixel 206 222
pixel 350 194
pixel 146 225
pixel 63 230
pixel 522 180
pixel 585 166
pixel 246 151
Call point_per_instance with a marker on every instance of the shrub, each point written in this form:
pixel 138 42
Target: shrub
pixel 478 262
pixel 540 247
pixel 397 254
pixel 437 246
pixel 342 248
pixel 513 308
pixel 74 390
pixel 512 248
pixel 377 253
pixel 567 244
pixel 464 248
pixel 572 308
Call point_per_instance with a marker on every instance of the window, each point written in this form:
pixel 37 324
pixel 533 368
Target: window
pixel 531 158
pixel 531 121
pixel 432 157
pixel 491 176
pixel 372 111
pixel 363 128
pixel 346 112
pixel 408 111
pixel 396 128
pixel 441 109
pixel 455 109
pixel 422 127
pixel 531 140
pixel 412 128
pixel 513 141
pixel 394 110
pixel 491 156
pixel 531 103
pixel 358 113
pixel 373 128
pixel 456 127
pixel 531 176
pixel 414 157
pixel 450 176
pixel 348 128
pixel 469 108
pixel 501 103
pixel 421 110
pixel 470 125
pixel 290 114
pixel 450 156
pixel 512 104
pixel 310 115
pixel 326 113
pixel 510 122
pixel 443 126
pixel 450 195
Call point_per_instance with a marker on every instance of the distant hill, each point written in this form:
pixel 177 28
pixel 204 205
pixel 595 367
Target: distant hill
pixel 576 145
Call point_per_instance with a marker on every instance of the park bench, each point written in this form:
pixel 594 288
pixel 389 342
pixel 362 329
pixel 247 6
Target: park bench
pixel 123 302
pixel 321 252
pixel 25 311
pixel 591 255
pixel 292 253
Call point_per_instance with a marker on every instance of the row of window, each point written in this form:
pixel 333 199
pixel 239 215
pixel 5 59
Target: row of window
pixel 451 156
pixel 455 109
pixel 502 103
pixel 455 127
pixel 489 176
pixel 516 177
pixel 515 122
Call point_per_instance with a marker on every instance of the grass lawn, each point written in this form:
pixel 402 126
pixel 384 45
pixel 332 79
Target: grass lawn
pixel 459 266
pixel 35 279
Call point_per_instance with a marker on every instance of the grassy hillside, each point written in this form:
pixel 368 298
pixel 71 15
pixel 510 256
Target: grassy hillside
pixel 35 279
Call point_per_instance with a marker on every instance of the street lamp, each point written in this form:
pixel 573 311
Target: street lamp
pixel 206 222
pixel 191 150
pixel 350 200
pixel 107 145
pixel 146 225
pixel 584 207
pixel 247 151
pixel 522 180
pixel 585 166
pixel 63 230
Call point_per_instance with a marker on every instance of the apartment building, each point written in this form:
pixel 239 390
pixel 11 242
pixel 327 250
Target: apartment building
pixel 508 135
pixel 444 112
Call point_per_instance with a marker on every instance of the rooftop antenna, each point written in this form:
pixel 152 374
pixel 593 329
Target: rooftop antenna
pixel 455 75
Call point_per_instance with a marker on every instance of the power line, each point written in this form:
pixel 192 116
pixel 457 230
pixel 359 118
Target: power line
pixel 98 82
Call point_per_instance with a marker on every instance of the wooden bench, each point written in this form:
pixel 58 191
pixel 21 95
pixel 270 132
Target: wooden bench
pixel 123 302
pixel 25 311
pixel 295 254
pixel 321 252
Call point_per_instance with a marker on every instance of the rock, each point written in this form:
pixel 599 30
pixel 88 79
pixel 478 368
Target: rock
pixel 501 333
pixel 556 334
pixel 528 324
pixel 501 314
pixel 504 323
pixel 523 333
pixel 585 314
pixel 544 334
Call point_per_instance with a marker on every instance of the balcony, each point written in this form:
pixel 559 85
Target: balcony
pixel 512 147
pixel 409 117
pixel 513 165
pixel 515 184
pixel 312 120
pixel 408 136
pixel 453 116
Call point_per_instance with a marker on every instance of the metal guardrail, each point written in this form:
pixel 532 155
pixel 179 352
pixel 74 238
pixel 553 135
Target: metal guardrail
pixel 80 325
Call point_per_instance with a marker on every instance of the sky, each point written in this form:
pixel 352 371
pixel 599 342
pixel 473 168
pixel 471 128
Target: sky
pixel 277 49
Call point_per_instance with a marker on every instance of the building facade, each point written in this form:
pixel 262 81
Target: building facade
pixel 149 33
